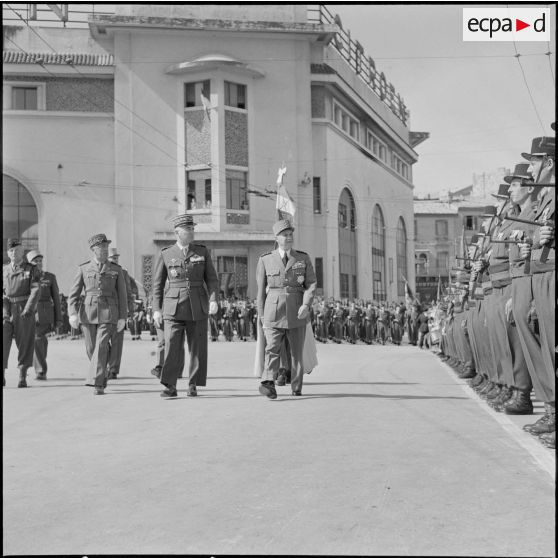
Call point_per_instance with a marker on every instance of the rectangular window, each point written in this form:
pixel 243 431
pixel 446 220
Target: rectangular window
pixel 442 260
pixel 470 222
pixel 319 273
pixel 345 121
pixel 25 98
pixel 208 193
pixel 235 95
pixel 383 153
pixel 354 285
pixel 344 285
pixel 441 228
pixel 354 129
pixel 198 189
pixel 317 194
pixel 237 190
pixel 193 93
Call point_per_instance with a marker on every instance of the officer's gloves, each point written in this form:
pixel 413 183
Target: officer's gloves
pixel 213 307
pixel 303 312
pixel 120 325
pixel 74 321
pixel 158 318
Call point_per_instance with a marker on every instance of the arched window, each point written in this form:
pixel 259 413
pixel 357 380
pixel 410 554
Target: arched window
pixel 348 287
pixel 378 255
pixel 19 215
pixel 401 251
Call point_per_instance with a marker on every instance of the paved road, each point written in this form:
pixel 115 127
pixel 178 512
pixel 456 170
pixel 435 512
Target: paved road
pixel 386 452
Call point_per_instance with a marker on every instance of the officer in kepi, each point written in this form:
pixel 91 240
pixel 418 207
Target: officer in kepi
pixel 286 285
pixel 184 305
pixel 48 317
pixel 20 292
pixel 104 308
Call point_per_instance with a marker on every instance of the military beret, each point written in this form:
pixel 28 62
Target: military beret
pixel 32 255
pixel 282 225
pixel 98 239
pixel 540 147
pixel 184 220
pixel 13 242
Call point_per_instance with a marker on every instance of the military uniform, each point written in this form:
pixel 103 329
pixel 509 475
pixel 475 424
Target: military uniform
pixel 282 289
pixel 117 341
pixel 105 303
pixel 20 289
pixel 184 305
pixel 48 314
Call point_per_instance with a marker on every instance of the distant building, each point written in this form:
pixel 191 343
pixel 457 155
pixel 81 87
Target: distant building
pixel 439 226
pixel 119 124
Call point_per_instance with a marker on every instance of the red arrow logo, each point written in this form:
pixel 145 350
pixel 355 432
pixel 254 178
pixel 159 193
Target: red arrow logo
pixel 519 25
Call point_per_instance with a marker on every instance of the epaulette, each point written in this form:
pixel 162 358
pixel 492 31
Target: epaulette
pixel 301 252
pixel 265 254
pixel 117 264
pixel 83 263
pixel 167 247
pixel 201 245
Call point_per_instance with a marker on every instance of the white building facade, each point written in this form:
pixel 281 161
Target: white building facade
pixel 156 110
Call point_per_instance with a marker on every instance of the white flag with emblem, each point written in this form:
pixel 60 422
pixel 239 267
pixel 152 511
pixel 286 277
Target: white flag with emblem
pixel 284 204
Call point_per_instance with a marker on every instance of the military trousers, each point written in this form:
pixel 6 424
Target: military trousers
pixel 97 345
pixel 195 332
pixel 544 295
pixel 23 331
pixel 274 339
pixel 510 362
pixel 522 297
pixel 160 351
pixel 115 352
pixel 41 348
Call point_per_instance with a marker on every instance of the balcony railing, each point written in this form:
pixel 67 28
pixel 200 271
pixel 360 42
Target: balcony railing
pixel 364 66
pixel 69 15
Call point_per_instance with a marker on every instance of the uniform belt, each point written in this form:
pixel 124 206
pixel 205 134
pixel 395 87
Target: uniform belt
pixel 287 289
pixel 18 298
pixel 495 268
pixel 186 283
pixel 97 293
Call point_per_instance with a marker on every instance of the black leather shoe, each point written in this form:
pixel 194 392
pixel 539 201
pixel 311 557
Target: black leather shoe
pixel 519 404
pixel 156 371
pixel 467 374
pixel 99 391
pixel 267 388
pixel 297 393
pixel 169 392
pixel 192 392
pixel 478 379
pixel 280 380
pixel 546 424
pixel 493 393
pixel 41 376
pixel 549 439
pixel 113 376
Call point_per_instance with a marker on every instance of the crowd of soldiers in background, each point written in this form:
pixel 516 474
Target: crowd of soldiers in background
pixel 332 320
pixel 496 322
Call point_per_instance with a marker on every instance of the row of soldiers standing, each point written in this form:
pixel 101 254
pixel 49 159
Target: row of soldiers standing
pixel 368 322
pixel 499 328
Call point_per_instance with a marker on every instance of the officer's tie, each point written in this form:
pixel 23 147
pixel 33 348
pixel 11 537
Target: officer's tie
pixel 285 259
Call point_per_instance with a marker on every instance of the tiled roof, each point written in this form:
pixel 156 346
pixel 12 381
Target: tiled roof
pixel 17 57
pixel 434 206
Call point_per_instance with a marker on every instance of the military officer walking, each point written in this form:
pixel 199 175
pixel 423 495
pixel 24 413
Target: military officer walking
pixel 286 285
pixel 48 317
pixel 104 308
pixel 117 341
pixel 20 292
pixel 184 305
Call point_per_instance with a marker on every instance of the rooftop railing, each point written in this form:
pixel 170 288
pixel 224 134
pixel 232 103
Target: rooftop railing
pixel 65 15
pixel 364 66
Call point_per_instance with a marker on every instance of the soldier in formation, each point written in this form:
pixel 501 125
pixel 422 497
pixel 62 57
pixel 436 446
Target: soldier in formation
pixel 498 325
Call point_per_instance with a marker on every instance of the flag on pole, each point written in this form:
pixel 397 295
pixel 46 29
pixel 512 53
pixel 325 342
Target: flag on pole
pixel 206 105
pixel 439 293
pixel 285 205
